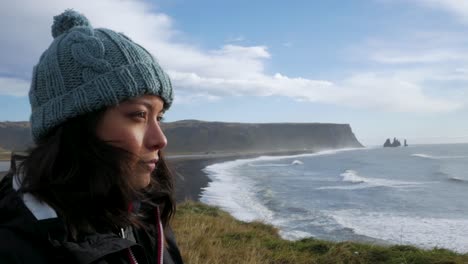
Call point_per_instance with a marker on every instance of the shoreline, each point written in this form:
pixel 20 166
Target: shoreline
pixel 190 179
pixel 187 170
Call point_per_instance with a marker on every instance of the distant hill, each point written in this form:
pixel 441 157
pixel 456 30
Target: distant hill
pixel 192 136
pixel 15 135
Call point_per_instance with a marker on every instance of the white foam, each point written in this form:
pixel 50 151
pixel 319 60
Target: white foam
pixel 236 194
pixel 319 153
pixel 269 165
pixel 400 229
pixel 360 182
pixel 233 193
pixel 351 176
pixel 294 234
pixel 427 156
pixel 297 162
pixel 458 179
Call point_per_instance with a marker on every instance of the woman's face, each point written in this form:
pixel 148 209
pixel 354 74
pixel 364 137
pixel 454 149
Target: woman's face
pixel 134 125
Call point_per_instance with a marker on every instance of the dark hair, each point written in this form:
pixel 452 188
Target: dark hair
pixel 86 180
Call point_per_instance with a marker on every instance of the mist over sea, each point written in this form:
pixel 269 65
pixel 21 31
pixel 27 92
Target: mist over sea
pixel 415 195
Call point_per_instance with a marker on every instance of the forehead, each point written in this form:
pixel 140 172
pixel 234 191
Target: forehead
pixel 150 101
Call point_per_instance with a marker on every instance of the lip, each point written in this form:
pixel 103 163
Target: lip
pixel 150 164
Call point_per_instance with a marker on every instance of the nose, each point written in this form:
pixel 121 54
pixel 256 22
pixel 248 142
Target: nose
pixel 155 138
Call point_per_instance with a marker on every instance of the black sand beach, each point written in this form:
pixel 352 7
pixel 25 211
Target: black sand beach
pixel 190 179
pixel 188 170
pixel 188 174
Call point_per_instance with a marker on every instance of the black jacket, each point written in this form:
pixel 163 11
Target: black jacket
pixel 24 239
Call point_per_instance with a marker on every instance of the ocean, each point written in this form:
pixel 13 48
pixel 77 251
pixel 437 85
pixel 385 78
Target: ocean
pixel 415 195
pixel 4 165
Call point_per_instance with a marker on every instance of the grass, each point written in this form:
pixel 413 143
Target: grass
pixel 5 154
pixel 209 235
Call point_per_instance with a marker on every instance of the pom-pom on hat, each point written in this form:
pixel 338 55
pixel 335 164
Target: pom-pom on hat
pixel 68 20
pixel 86 69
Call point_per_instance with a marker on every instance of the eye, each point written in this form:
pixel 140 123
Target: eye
pixel 139 114
pixel 160 118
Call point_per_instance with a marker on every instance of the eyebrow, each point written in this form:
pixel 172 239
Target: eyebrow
pixel 143 102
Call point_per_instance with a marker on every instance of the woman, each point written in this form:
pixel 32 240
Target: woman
pixel 95 188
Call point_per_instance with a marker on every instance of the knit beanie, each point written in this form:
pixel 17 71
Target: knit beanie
pixel 86 69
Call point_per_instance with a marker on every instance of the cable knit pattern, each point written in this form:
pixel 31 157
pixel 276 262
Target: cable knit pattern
pixel 89 52
pixel 86 69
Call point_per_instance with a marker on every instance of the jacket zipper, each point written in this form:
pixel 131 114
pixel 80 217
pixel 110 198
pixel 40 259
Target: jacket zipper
pixel 160 243
pixel 131 256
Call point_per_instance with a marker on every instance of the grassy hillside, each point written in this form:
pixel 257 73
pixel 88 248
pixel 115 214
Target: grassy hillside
pixel 4 154
pixel 208 235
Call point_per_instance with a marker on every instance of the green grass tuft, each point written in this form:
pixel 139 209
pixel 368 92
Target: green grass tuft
pixel 209 235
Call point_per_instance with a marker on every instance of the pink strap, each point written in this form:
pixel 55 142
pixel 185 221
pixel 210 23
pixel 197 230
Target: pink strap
pixel 131 257
pixel 160 244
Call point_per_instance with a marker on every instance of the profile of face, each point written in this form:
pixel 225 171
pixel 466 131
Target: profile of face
pixel 134 125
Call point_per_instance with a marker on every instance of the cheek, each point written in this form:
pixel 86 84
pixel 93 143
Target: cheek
pixel 121 135
pixel 128 139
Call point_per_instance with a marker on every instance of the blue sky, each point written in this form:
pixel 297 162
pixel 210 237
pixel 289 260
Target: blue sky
pixel 389 68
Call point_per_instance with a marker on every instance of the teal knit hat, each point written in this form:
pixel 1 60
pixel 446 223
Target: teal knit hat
pixel 86 69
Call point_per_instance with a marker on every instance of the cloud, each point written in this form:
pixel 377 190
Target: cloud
pixel 413 64
pixel 13 86
pixel 193 97
pixel 393 92
pixel 419 48
pixel 278 84
pixel 456 7
pixel 398 57
pixel 235 39
pixel 198 74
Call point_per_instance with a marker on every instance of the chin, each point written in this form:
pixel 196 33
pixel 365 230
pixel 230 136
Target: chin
pixel 142 181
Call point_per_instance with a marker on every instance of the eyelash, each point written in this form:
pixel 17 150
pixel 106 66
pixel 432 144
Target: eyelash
pixel 142 114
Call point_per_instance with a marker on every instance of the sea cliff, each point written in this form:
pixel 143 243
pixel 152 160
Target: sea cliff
pixel 193 136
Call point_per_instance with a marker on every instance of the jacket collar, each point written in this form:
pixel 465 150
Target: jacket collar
pixel 39 209
pixel 27 215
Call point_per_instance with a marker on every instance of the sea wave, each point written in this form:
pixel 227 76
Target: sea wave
pixel 426 232
pixel 298 156
pixel 237 194
pixel 427 156
pixel 352 176
pixel 293 163
pixel 297 162
pixel 360 182
pixel 458 179
pixel 233 193
pixel 269 165
pixel 242 196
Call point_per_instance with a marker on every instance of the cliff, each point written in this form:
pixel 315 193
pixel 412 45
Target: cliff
pixel 198 136
pixel 192 136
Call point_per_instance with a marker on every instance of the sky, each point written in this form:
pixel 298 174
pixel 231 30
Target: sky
pixel 389 68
